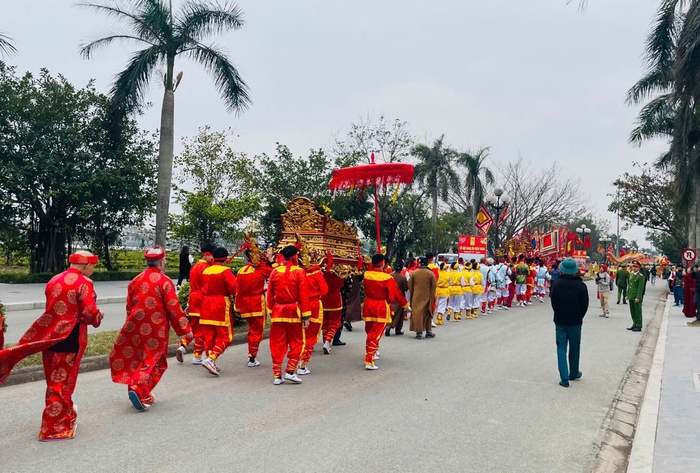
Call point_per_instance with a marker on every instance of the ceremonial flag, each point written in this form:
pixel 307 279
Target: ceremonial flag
pixel 570 243
pixel 587 242
pixel 610 250
pixel 484 220
pixel 504 214
pixel 549 243
pixel 600 249
pixel 622 253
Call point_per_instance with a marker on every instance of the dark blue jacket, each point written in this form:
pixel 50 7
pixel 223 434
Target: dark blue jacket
pixel 569 300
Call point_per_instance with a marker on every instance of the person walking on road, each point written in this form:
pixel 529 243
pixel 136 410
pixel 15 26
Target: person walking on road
pixel 678 287
pixel 380 291
pixel 569 299
pixel 139 356
pixel 288 302
pixel 397 310
pixel 604 282
pixel 185 265
pixel 635 294
pixel 60 334
pixel 422 285
pixel 622 278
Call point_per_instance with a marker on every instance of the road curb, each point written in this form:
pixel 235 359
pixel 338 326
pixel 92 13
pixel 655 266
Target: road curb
pixel 642 457
pixel 100 362
pixel 613 449
pixel 17 306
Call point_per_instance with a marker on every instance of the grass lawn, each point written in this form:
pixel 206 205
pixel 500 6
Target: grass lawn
pixel 101 343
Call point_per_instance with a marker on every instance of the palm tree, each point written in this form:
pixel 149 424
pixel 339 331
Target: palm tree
pixel 6 46
pixel 165 35
pixel 434 172
pixel 477 177
pixel 671 82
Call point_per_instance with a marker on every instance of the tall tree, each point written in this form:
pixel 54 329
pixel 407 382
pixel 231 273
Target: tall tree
pixel 215 189
pixel 477 177
pixel 62 178
pixel 435 172
pixel 165 35
pixel 7 47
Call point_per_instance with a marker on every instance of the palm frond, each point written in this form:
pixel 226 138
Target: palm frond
pixel 197 20
pixel 87 50
pixel 7 47
pixel 655 81
pixel 137 21
pixel 226 78
pixel 661 42
pixel 655 120
pixel 130 85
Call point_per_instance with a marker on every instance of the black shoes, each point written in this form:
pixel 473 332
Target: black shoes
pixel 631 328
pixel 338 343
pixel 347 326
pixel 564 384
pixel 419 335
pixel 429 335
pixel 387 332
pixel 573 378
pixel 637 329
pixel 396 332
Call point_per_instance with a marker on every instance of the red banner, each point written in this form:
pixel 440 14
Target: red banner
pixel 472 247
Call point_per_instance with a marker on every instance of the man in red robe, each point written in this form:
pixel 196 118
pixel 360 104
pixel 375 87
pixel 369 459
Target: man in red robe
pixel 288 302
pixel 194 307
pixel 332 303
pixel 380 291
pixel 250 302
pixel 219 285
pixel 317 289
pixel 60 334
pixel 139 356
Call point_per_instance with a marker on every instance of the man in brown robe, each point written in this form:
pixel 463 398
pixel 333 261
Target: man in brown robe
pixel 398 311
pixel 422 287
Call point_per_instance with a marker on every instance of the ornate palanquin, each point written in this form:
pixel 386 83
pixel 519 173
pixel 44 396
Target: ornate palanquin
pixel 514 247
pixel 320 234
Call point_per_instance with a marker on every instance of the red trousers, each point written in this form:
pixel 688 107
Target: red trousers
pixel 196 336
pixel 311 337
pixel 286 337
pixel 256 327
pixel 149 377
pixel 216 339
pixel 374 331
pixel 331 324
pixel 511 295
pixel 59 417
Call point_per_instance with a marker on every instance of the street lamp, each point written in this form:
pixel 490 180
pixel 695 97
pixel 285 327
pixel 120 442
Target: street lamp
pixel 583 232
pixel 497 201
pixel 605 240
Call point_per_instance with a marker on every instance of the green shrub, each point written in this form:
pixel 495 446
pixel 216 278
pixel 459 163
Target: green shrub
pixel 183 294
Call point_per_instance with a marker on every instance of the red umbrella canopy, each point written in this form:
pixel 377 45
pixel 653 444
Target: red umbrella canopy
pixel 373 174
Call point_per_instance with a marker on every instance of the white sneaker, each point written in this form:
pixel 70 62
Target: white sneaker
pixel 210 366
pixel 607 316
pixel 178 354
pixel 529 302
pixel 371 367
pixel 197 361
pixel 326 348
pixel 254 363
pixel 376 355
pixel 278 381
pixel 304 370
pixel 292 377
pixel 434 325
pixel 505 307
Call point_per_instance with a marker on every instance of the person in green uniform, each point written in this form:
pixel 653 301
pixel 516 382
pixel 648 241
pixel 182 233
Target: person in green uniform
pixel 635 294
pixel 621 280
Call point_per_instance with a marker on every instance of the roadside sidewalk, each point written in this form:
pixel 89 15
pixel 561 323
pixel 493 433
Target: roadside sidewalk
pixel 31 296
pixel 668 429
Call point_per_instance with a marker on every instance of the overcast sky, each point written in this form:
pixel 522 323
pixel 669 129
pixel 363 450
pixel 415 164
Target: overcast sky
pixel 533 78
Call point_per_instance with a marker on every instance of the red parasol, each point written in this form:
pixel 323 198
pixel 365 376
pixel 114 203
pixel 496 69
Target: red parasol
pixel 372 174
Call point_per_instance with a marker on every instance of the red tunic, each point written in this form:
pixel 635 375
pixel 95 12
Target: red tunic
pixel 152 306
pixel 317 289
pixel 194 304
pixel 288 294
pixel 332 300
pixel 70 305
pixel 219 285
pixel 251 289
pixel 380 291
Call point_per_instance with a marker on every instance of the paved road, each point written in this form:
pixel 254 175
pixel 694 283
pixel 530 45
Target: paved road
pixel 483 396
pixel 19 321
